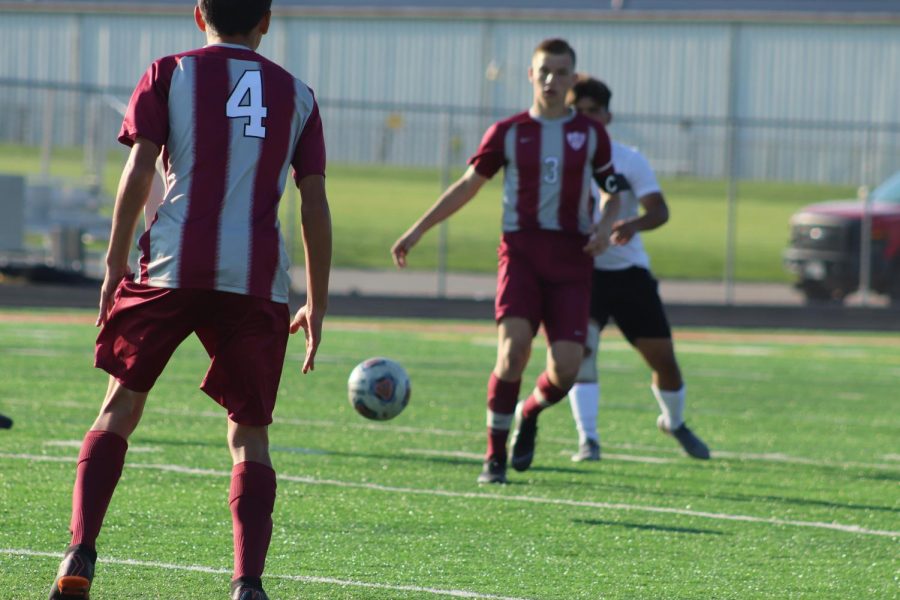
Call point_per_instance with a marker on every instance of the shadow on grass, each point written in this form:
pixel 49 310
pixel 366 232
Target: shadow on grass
pixel 690 530
pixel 518 478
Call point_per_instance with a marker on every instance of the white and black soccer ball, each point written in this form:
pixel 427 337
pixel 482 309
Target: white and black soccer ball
pixel 379 388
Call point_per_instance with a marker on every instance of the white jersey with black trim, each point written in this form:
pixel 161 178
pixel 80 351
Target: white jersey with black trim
pixel 636 169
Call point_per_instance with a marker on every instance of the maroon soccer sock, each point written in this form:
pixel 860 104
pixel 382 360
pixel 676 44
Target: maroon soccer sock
pixel 252 499
pixel 501 401
pixel 100 464
pixel 545 395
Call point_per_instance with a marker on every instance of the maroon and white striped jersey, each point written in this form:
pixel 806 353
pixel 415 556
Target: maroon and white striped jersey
pixel 549 165
pixel 230 123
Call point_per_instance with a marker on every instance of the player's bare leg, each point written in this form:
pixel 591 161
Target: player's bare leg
pixel 249 443
pixel 563 361
pixel 659 354
pixel 669 389
pixel 100 464
pixel 514 336
pixel 252 499
pixel 121 411
pixel 584 399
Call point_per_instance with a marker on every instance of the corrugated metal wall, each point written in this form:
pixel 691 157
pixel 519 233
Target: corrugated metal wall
pixel 814 102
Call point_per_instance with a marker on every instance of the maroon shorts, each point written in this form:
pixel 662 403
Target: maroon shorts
pixel 545 277
pixel 245 337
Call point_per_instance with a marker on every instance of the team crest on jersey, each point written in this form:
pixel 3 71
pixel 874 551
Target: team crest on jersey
pixel 576 139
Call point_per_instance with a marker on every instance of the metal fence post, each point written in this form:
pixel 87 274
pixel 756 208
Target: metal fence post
pixel 443 248
pixel 731 167
pixel 47 133
pixel 865 246
pixel 865 234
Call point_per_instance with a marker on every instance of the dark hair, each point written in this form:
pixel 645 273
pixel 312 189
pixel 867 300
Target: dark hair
pixel 555 46
pixel 234 17
pixel 588 87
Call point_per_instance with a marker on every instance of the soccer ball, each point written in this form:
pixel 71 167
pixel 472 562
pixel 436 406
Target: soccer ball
pixel 379 388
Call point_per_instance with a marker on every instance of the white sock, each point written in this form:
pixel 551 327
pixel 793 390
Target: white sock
pixel 584 399
pixel 671 405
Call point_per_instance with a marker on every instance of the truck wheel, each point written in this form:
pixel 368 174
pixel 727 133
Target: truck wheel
pixel 893 291
pixel 816 293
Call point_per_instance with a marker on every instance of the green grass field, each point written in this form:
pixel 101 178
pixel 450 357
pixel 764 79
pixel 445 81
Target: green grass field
pixel 800 500
pixel 373 205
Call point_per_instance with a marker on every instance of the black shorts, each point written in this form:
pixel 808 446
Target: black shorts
pixel 631 297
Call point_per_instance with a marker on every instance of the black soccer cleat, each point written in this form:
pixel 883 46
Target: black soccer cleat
pixel 247 588
pixel 588 451
pixel 5 422
pixel 494 471
pixel 524 437
pixel 76 572
pixel 693 445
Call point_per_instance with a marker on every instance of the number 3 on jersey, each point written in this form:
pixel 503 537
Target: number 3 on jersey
pixel 551 170
pixel 246 101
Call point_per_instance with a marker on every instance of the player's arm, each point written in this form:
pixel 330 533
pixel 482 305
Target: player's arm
pixel 656 214
pixel 315 216
pixel 455 197
pixel 610 183
pixel 601 234
pixel 134 189
pixel 643 184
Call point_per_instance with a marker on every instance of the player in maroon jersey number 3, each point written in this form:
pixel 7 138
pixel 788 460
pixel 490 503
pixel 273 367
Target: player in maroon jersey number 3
pixel 550 154
pixel 230 125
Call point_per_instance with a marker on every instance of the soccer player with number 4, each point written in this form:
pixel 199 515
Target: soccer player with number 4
pixel 550 154
pixel 230 124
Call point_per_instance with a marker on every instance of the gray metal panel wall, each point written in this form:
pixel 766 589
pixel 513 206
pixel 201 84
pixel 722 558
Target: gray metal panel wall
pixel 384 84
pixel 812 8
pixel 826 77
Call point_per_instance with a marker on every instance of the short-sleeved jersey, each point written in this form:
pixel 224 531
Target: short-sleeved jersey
pixel 231 123
pixel 632 165
pixel 549 165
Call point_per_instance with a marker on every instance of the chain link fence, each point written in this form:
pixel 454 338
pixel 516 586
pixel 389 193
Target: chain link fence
pixel 77 120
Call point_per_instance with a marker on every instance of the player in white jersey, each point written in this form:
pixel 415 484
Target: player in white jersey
pixel 229 125
pixel 549 154
pixel 624 289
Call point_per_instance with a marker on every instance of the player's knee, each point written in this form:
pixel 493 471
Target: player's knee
pixel 248 443
pixel 121 411
pixel 563 373
pixel 512 361
pixel 587 371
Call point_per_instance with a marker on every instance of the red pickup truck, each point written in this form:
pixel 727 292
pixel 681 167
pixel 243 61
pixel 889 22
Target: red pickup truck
pixel 824 251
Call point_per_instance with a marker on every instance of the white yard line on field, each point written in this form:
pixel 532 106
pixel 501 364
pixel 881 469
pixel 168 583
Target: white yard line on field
pixel 304 578
pixel 77 444
pixel 479 456
pixel 653 460
pixel 487 496
pixel 447 453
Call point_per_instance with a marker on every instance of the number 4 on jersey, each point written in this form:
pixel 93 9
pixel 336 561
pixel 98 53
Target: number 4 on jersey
pixel 246 101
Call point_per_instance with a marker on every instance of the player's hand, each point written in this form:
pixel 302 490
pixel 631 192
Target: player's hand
pixel 599 240
pixel 402 247
pixel 310 320
pixel 622 232
pixel 111 280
